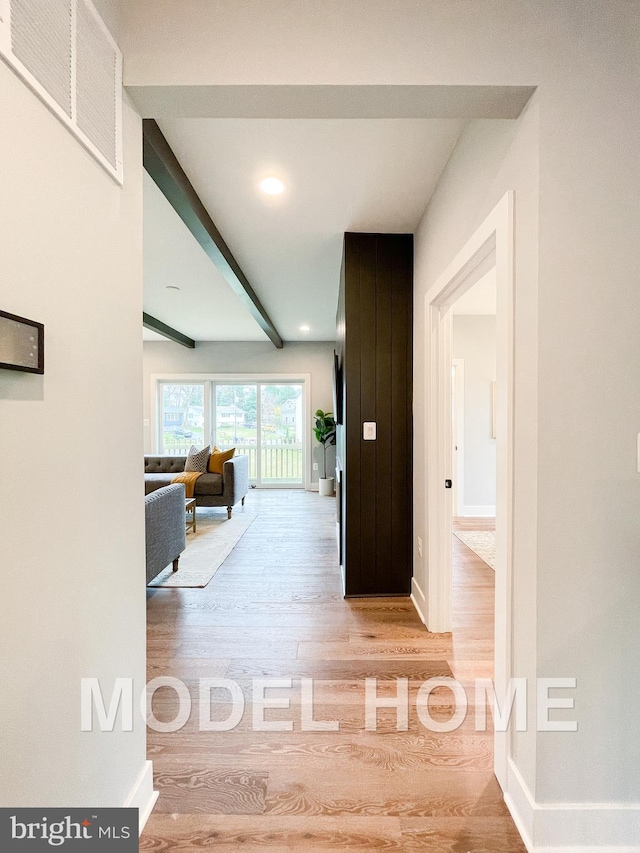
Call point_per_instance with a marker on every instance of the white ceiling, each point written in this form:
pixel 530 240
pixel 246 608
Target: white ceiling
pixel 481 298
pixel 148 335
pixel 340 175
pixel 205 308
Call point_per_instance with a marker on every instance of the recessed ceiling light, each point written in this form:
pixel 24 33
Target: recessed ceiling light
pixel 272 186
pixel 172 287
pixel 305 328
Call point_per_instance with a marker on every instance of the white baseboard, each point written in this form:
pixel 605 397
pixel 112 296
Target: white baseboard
pixel 477 512
pixel 143 797
pixel 571 827
pixel 419 601
pixel 520 804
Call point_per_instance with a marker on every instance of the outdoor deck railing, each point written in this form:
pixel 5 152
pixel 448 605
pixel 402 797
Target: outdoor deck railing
pixel 281 463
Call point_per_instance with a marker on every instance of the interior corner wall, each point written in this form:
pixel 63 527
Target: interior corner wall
pixel 474 341
pixel 71 508
pixel 250 357
pixel 572 160
pixel 491 158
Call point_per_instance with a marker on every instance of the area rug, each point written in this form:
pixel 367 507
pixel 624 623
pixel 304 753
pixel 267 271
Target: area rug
pixel 207 549
pixel 481 542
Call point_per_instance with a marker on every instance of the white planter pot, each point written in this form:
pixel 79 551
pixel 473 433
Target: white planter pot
pixel 326 486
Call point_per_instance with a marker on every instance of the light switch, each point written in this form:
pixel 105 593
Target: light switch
pixel 369 430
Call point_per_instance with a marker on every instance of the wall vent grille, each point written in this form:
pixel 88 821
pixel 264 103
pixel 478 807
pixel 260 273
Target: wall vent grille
pixel 96 83
pixel 65 54
pixel 41 40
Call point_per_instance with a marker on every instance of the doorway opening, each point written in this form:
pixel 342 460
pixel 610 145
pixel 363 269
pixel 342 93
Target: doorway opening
pixel 490 248
pixel 473 467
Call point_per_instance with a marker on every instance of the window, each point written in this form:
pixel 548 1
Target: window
pixel 235 421
pixel 182 417
pixel 263 420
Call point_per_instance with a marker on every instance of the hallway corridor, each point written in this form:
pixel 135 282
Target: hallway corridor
pixel 275 610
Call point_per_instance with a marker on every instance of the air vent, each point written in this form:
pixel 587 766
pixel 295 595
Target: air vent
pixel 64 52
pixel 96 82
pixel 41 40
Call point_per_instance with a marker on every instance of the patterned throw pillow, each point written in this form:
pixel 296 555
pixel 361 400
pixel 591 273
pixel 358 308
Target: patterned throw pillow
pixel 197 459
pixel 218 458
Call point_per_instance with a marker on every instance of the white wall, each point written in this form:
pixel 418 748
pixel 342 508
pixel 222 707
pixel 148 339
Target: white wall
pixel 573 162
pixel 474 341
pixel 71 509
pixel 576 494
pixel 250 357
pixel 490 158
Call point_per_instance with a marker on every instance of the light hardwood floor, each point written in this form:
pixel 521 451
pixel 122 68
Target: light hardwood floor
pixel 275 609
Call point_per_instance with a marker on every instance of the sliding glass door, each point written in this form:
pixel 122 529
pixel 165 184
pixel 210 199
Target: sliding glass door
pixel 281 428
pixel 235 420
pixel 262 420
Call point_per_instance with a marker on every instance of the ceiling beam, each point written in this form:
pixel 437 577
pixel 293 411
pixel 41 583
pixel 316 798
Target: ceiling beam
pixel 162 165
pixel 161 328
pixel 329 102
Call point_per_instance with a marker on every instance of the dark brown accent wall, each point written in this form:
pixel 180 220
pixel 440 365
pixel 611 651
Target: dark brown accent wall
pixel 375 344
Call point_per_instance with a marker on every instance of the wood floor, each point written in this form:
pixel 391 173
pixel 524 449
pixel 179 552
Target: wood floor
pixel 275 609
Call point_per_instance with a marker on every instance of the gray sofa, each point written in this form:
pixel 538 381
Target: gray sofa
pixel 164 528
pixel 225 489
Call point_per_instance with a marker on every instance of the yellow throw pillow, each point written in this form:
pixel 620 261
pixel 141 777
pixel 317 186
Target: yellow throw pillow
pixel 218 458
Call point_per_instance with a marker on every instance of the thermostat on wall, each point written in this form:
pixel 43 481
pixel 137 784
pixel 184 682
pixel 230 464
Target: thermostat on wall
pixel 21 344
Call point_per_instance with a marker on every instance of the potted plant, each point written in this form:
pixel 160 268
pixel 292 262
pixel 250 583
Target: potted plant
pixel 325 432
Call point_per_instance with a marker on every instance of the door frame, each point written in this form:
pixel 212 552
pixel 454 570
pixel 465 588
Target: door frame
pixel 491 245
pixel 458 437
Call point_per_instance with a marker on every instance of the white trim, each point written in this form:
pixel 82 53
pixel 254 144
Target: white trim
pixel 584 848
pixel 458 426
pixel 418 599
pixel 143 797
pixel 571 827
pixel 214 425
pixel 477 512
pixel 520 803
pixel 438 525
pixel 491 245
pixel 119 106
pixel 307 443
pixel 209 414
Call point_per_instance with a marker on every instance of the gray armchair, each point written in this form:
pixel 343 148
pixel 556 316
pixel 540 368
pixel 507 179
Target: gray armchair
pixel 165 529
